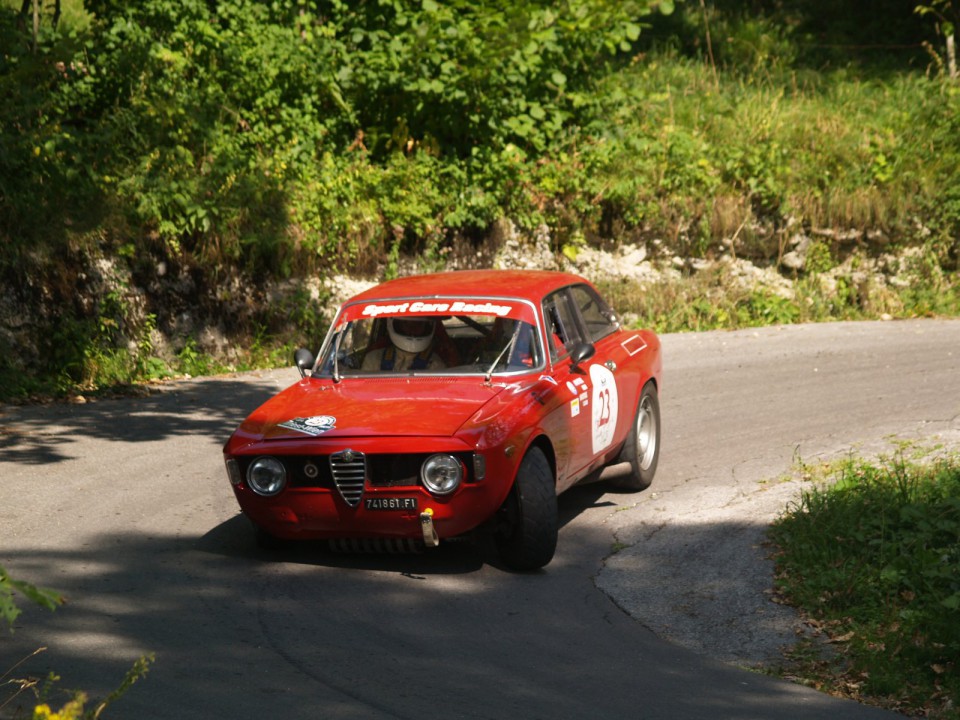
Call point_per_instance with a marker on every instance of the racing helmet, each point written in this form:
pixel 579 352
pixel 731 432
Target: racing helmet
pixel 412 335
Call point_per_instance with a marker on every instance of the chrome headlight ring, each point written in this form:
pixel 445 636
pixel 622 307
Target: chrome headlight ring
pixel 441 474
pixel 266 476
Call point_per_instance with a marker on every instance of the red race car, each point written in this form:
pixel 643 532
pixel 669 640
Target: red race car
pixel 442 403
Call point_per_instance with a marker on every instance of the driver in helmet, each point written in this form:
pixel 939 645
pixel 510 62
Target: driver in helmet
pixel 411 347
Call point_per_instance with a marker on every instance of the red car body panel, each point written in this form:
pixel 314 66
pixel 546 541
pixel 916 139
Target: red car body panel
pixel 579 416
pixel 379 406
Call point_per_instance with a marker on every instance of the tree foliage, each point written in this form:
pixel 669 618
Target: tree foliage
pixel 229 141
pixel 181 118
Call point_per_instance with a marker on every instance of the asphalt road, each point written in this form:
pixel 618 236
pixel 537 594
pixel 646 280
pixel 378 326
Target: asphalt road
pixel 650 605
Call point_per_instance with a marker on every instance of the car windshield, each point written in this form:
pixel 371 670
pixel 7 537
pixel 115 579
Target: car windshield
pixel 466 344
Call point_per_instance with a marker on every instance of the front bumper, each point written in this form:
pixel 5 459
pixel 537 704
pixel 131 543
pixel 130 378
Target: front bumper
pixel 315 513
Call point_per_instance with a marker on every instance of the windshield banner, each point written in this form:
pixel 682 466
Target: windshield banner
pixel 467 306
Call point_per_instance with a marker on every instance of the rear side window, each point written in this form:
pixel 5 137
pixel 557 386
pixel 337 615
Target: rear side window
pixel 598 319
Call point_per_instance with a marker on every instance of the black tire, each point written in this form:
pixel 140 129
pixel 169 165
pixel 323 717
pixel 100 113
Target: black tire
pixel 527 537
pixel 642 446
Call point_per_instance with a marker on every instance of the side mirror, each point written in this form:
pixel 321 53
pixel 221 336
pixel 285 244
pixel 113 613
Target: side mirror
pixel 304 360
pixel 581 353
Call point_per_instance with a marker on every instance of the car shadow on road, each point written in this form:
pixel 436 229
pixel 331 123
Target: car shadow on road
pixel 234 538
pixel 216 613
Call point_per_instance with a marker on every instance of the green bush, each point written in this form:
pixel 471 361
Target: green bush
pixel 263 141
pixel 875 557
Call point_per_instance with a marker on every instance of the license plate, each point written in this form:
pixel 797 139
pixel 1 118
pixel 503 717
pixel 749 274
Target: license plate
pixel 390 503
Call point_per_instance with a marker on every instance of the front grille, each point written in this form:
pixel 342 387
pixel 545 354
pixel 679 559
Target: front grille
pixel 306 471
pixel 387 470
pixel 394 470
pixel 349 470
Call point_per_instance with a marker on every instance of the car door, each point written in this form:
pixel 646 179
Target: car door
pixel 589 416
pixel 613 385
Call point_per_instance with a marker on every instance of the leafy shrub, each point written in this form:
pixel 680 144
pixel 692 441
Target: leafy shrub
pixel 73 709
pixel 874 557
pixel 271 140
pixel 9 611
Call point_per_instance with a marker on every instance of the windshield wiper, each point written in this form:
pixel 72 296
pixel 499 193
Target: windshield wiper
pixel 507 347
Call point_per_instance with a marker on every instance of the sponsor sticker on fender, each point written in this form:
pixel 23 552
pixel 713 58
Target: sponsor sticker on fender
pixel 316 425
pixel 580 389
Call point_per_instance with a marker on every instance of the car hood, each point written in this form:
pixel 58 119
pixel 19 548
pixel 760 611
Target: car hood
pixel 405 407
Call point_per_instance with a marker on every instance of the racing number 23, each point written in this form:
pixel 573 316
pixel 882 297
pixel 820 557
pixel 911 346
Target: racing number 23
pixel 604 401
pixel 604 397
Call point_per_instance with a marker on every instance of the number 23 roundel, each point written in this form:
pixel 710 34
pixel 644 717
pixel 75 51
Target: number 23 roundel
pixel 604 405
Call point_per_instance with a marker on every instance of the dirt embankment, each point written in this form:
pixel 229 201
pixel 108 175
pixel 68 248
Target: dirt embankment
pixel 165 304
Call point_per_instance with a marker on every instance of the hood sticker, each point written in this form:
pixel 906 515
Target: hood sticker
pixel 316 425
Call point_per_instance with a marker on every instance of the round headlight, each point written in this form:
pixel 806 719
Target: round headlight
pixel 441 474
pixel 266 476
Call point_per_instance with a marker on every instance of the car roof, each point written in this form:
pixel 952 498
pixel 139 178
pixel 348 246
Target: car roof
pixel 525 284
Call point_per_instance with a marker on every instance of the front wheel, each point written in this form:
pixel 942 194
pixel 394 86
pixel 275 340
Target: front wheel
pixel 527 537
pixel 642 447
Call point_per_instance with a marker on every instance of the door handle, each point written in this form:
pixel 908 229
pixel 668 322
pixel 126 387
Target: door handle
pixel 610 365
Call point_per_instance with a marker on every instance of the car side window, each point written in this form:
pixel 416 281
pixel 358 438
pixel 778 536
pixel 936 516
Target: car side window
pixel 598 319
pixel 562 329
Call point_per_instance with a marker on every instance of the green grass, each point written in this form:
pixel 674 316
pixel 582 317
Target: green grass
pixel 871 555
pixel 700 158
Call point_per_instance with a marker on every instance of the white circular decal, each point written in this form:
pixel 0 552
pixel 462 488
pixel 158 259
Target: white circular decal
pixel 320 421
pixel 604 401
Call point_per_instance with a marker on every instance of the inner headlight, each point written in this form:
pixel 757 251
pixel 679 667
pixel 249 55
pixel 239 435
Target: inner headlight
pixel 266 476
pixel 441 474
